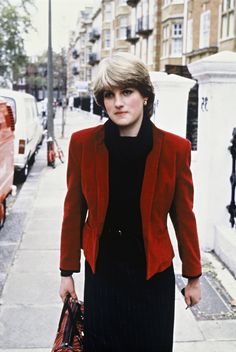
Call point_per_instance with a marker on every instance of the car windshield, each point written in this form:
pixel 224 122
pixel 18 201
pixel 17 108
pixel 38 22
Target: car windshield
pixel 12 104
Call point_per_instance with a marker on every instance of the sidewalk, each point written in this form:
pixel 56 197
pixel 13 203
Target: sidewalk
pixel 30 305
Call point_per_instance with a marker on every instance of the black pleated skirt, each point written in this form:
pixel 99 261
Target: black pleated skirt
pixel 123 311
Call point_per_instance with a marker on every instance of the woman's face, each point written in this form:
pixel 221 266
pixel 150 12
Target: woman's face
pixel 125 109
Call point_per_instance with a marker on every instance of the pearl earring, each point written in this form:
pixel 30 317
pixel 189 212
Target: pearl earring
pixel 145 102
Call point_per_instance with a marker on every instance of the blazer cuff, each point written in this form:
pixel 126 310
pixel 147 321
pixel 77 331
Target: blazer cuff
pixel 66 273
pixel 192 277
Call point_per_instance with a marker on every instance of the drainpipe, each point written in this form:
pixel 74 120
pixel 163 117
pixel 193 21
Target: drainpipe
pixel 185 27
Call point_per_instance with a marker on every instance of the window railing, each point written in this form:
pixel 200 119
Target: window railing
pixel 75 70
pixel 143 26
pixel 75 54
pixel 232 206
pixel 94 35
pixel 93 58
pixel 132 3
pixel 131 34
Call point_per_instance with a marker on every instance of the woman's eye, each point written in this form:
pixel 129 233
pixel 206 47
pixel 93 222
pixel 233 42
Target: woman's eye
pixel 127 92
pixel 107 94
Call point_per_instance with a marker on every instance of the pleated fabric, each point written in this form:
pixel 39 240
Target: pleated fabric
pixel 124 311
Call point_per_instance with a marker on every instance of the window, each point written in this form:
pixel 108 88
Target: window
pixel 82 75
pixel 89 51
pixel 82 58
pixel 189 36
pixel 89 74
pixel 205 30
pixel 177 45
pixel 177 30
pixel 122 2
pixel 165 41
pixel 168 2
pixel 150 50
pixel 227 20
pixel 122 29
pixel 107 12
pixel 165 2
pixel 177 40
pixel 227 5
pixel 107 39
pixel 82 41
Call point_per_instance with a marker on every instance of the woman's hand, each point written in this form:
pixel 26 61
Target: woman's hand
pixel 192 292
pixel 67 287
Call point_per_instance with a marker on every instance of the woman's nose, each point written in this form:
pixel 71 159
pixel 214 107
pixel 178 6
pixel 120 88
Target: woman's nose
pixel 118 100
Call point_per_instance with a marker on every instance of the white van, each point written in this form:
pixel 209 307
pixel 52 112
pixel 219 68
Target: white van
pixel 28 129
pixel 7 127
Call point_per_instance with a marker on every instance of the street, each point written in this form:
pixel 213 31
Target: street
pixel 29 277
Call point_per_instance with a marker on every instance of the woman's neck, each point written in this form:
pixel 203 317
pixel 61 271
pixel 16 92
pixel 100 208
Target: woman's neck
pixel 131 130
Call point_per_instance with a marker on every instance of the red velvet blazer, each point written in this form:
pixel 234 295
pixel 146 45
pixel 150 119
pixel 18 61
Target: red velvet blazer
pixel 167 189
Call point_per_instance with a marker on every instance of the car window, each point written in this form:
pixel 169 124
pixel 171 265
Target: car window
pixel 28 112
pixel 34 110
pixel 12 104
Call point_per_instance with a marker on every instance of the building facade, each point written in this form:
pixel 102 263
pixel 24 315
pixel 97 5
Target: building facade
pixel 141 30
pixel 201 29
pixel 227 37
pixel 172 21
pixel 95 37
pixel 163 33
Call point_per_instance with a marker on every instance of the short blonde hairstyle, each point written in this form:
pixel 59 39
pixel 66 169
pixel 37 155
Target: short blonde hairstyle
pixel 123 70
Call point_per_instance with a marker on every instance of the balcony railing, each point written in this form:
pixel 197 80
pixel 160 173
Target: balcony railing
pixel 75 54
pixel 93 36
pixel 131 35
pixel 132 3
pixel 93 59
pixel 143 26
pixel 75 70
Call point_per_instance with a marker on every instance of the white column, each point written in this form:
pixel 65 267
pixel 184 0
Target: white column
pixel 216 76
pixel 171 93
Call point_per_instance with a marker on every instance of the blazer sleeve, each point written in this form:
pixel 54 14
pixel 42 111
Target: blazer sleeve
pixel 75 210
pixel 183 217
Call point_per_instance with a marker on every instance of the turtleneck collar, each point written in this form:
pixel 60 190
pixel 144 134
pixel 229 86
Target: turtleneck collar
pixel 129 147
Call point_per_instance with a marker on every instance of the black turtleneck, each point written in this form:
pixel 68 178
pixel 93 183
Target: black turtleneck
pixel 127 157
pixel 121 253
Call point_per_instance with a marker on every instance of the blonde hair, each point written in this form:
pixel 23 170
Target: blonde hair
pixel 123 70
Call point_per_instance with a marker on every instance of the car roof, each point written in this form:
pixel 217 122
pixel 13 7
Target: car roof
pixel 14 94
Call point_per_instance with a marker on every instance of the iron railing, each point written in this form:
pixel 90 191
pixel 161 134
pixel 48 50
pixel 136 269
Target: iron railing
pixel 232 206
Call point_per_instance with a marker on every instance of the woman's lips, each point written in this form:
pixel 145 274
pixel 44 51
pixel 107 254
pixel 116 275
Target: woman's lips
pixel 120 112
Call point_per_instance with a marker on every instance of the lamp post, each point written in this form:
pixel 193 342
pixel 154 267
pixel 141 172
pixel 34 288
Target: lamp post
pixel 50 123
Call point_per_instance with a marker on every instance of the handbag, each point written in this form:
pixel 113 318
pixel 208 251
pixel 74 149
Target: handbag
pixel 70 330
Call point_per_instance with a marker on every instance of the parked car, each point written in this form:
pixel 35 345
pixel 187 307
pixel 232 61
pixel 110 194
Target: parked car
pixel 42 108
pixel 28 129
pixel 7 127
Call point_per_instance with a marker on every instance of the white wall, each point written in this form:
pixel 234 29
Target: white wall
pixel 172 101
pixel 217 86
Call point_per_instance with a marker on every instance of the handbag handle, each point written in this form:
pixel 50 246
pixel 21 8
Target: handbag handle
pixel 64 309
pixel 67 307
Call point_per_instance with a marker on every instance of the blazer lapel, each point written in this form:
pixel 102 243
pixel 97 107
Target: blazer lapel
pixel 150 176
pixel 102 179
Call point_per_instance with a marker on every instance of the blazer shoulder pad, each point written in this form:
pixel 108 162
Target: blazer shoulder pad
pixel 174 139
pixel 87 134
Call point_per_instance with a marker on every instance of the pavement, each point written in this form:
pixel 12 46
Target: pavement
pixel 30 305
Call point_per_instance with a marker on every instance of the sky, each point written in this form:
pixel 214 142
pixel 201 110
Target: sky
pixel 64 16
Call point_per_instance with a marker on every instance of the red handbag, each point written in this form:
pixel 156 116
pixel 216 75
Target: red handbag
pixel 70 330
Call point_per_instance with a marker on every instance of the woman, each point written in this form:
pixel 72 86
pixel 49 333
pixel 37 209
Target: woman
pixel 124 178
